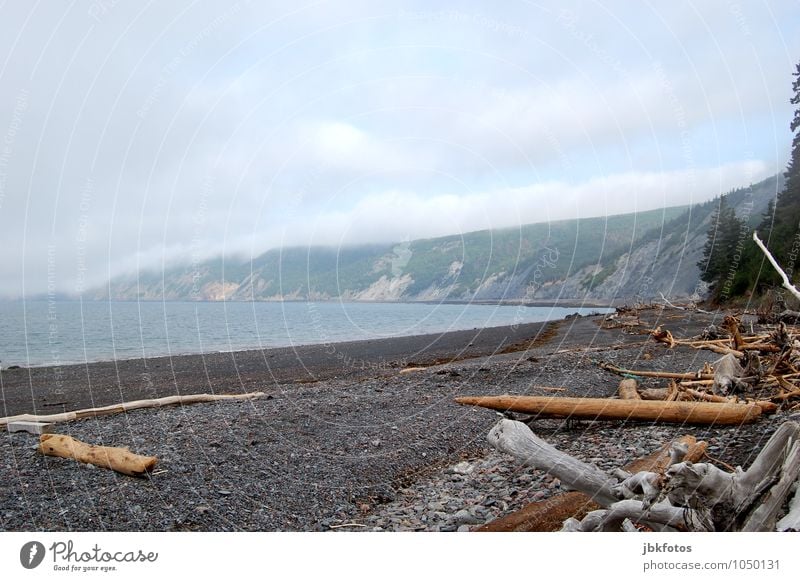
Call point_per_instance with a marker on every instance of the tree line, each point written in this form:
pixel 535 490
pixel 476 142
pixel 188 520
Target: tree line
pixel 732 264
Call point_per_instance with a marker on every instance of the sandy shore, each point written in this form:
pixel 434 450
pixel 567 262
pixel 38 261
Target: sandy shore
pixel 342 437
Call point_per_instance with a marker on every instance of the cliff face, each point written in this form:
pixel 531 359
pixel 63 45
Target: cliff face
pixel 632 256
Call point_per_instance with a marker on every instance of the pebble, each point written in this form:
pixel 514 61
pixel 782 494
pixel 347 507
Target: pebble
pixel 464 468
pixel 464 516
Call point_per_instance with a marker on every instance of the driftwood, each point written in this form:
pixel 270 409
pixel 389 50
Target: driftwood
pixel 657 374
pixel 627 389
pixel 548 515
pixel 791 522
pixel 689 394
pixel 703 413
pixel 654 393
pixel 119 459
pixel 518 440
pixel 784 278
pixel 544 516
pixel 727 372
pixel 687 496
pixel 411 369
pixel 788 316
pixel 129 406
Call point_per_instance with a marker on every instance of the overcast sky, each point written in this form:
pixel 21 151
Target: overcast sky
pixel 134 134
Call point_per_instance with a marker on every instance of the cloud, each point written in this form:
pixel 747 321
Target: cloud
pixel 136 135
pixel 374 218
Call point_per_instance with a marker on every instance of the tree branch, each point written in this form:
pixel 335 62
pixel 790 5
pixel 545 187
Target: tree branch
pixel 787 284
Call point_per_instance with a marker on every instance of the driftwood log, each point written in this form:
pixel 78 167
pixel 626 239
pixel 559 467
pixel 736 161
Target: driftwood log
pixel 703 413
pixel 129 406
pixel 687 496
pixel 119 459
pixel 548 515
pixel 657 374
pixel 627 389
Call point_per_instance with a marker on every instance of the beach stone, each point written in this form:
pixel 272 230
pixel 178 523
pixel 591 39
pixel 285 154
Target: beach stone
pixel 465 517
pixel 464 529
pixel 463 468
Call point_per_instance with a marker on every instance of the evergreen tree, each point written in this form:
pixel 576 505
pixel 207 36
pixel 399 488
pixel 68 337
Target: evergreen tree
pixel 711 263
pixel 786 228
pixel 722 252
pixel 780 226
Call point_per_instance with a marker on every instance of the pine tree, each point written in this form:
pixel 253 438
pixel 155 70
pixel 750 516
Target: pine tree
pixel 780 226
pixel 712 262
pixel 786 229
pixel 723 252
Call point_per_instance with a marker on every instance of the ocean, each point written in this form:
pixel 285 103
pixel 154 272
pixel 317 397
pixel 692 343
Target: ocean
pixel 38 333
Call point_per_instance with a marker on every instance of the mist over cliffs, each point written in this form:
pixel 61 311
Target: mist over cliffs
pixel 630 256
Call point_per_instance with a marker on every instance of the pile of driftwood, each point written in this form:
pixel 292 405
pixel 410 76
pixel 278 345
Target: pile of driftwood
pixel 757 374
pixel 673 493
pixel 760 367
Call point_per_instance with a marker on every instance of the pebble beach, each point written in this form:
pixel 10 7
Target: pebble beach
pixel 347 437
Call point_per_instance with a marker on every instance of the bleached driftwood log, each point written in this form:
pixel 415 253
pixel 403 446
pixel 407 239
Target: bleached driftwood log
pixel 694 497
pixel 129 406
pixel 118 459
pixel 791 522
pixel 519 441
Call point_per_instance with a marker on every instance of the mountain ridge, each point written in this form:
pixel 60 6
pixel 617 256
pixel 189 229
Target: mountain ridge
pixel 637 255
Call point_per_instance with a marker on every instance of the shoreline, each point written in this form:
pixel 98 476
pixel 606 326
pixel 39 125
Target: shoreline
pixel 246 349
pixel 57 388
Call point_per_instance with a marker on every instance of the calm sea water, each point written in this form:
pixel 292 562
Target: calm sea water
pixel 35 333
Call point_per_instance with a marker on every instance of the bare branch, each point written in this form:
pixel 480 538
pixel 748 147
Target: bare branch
pixel 786 282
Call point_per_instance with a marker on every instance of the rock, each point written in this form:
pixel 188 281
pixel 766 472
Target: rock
pixel 464 517
pixel 464 529
pixel 463 468
pixel 524 479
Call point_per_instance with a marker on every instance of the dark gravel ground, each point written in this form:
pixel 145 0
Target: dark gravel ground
pixel 341 437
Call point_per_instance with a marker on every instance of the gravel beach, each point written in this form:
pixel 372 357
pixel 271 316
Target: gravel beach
pixel 342 439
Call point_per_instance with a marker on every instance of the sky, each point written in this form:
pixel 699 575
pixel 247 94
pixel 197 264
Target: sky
pixel 144 134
